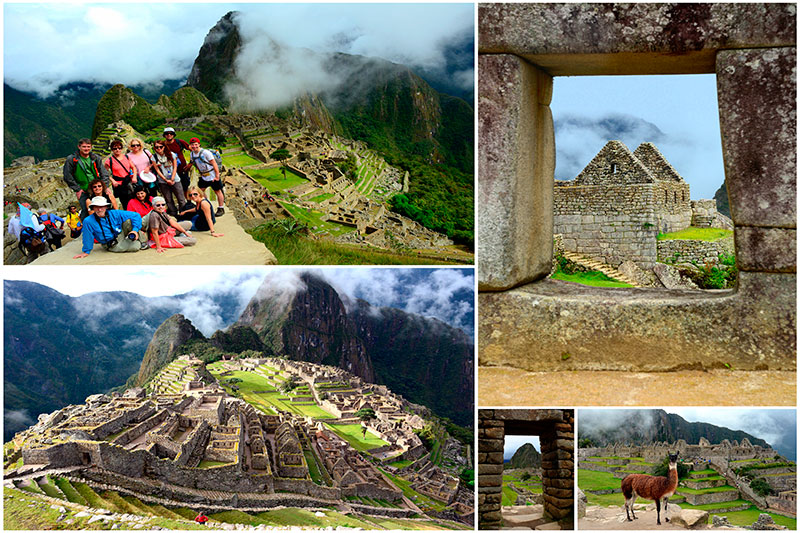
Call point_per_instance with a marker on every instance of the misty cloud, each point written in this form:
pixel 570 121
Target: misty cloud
pixel 628 423
pixel 16 420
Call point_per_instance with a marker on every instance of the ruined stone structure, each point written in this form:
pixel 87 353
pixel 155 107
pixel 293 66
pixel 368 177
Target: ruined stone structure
pixel 704 450
pixel 201 445
pixel 752 50
pixel 555 428
pixel 619 203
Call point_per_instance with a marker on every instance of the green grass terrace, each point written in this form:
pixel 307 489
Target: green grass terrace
pixel 696 234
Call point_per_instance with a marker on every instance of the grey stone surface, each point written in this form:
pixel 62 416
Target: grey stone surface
pixel 582 501
pixel 552 325
pixel 670 277
pixel 516 163
pixel 758 122
pixel 570 39
pixel 766 249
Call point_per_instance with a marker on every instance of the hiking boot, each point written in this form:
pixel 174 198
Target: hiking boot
pixel 220 212
pixel 144 246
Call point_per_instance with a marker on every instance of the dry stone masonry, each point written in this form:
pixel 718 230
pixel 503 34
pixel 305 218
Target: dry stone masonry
pixel 752 50
pixel 555 429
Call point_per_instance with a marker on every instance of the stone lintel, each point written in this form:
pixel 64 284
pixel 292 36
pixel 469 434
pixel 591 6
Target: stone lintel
pixel 758 123
pixel 530 415
pixel 516 165
pixel 662 34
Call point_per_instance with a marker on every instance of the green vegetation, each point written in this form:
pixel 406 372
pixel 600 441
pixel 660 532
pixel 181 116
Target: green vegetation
pixel 697 234
pixel 759 486
pixel 401 464
pixel 300 250
pixel 593 279
pixel 422 501
pixel 209 464
pixel 239 160
pixel 322 197
pixel 594 480
pixel 663 469
pixel 723 488
pixel 749 516
pixel 352 434
pixel 274 179
pixel 509 496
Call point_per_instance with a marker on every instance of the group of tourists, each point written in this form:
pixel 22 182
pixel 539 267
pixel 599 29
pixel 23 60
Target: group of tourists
pixel 133 200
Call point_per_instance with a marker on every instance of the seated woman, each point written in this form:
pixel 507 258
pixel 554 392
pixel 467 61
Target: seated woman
pixel 96 188
pixel 160 223
pixel 199 209
pixel 140 203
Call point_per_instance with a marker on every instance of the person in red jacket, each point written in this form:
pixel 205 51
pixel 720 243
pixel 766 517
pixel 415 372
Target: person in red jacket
pixel 201 518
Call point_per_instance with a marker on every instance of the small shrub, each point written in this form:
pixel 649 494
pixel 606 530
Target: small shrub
pixel 761 487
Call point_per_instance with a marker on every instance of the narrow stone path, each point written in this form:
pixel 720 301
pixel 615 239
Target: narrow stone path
pixel 595 264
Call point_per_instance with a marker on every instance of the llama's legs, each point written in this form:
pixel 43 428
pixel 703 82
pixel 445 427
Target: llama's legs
pixel 666 503
pixel 658 511
pixel 633 500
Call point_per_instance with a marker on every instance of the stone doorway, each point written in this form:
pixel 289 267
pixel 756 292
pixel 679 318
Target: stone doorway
pixel 555 429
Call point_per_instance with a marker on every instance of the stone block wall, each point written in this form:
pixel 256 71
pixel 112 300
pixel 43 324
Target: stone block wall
pixel 555 428
pixel 692 250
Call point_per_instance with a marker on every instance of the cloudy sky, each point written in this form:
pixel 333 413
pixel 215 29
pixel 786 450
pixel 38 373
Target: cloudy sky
pixel 677 113
pixel 145 43
pixel 443 293
pixel 776 426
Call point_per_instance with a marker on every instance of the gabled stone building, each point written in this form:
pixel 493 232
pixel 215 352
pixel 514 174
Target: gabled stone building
pixel 619 203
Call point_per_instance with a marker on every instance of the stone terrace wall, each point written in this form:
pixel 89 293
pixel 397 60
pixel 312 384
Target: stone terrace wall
pixel 621 226
pixel 691 250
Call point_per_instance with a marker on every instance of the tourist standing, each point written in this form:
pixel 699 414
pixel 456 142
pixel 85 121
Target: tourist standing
pixel 177 146
pixel 144 162
pixel 206 164
pixel 123 172
pixel 169 181
pixel 82 167
pixel 74 222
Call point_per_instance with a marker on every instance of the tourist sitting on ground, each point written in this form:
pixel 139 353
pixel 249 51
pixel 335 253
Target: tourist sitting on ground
pixel 169 182
pixel 163 229
pixel 80 169
pixel 206 164
pixel 32 236
pixel 141 204
pixel 14 225
pixel 74 222
pixel 116 230
pixel 199 209
pixel 97 188
pixel 54 234
pixel 144 162
pixel 123 172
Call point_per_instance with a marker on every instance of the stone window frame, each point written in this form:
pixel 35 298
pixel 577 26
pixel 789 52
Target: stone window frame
pixel 752 50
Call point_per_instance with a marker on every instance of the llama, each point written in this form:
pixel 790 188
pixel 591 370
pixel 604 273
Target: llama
pixel 652 488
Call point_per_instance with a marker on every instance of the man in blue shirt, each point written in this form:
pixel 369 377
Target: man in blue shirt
pixel 117 230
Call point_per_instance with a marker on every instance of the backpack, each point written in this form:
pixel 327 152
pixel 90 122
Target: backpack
pixel 215 153
pixel 31 241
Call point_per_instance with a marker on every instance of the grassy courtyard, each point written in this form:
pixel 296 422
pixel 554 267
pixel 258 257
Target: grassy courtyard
pixel 352 434
pixel 594 279
pixel 272 178
pixel 697 234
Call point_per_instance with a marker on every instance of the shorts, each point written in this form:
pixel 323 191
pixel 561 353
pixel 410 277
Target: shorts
pixel 216 185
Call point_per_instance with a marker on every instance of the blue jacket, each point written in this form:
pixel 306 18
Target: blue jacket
pixel 106 228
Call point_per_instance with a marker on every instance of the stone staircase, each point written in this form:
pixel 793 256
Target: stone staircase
pixel 594 264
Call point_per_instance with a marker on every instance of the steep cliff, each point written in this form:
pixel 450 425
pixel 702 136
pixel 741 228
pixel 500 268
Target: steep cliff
pixel 120 102
pixel 526 456
pixel 174 332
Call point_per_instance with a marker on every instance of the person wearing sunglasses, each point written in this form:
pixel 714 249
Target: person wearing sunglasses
pixel 123 172
pixel 169 182
pixel 161 225
pixel 144 162
pixel 199 209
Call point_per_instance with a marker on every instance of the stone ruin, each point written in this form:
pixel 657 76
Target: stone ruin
pixel 202 446
pixel 556 431
pixel 703 450
pixel 621 201
pixel 526 321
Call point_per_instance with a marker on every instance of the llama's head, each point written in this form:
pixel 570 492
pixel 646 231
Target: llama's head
pixel 673 459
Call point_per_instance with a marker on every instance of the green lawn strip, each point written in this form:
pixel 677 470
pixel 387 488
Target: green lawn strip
pixel 749 516
pixel 723 488
pixel 605 499
pixel 352 434
pixel 32 487
pixel 69 491
pixel 299 250
pixel 709 506
pixel 142 507
pixel 418 498
pixel 184 512
pixel 313 467
pixel 160 510
pixel 509 496
pixel 697 234
pixel 593 279
pixel 322 197
pixel 703 479
pixel 209 464
pixel 25 512
pixel 314 218
pixel 49 488
pixel 120 502
pixel 401 464
pixel 313 411
pixel 304 518
pixel 272 178
pixel 241 160
pixel 594 480
pixel 704 472
pixel 91 497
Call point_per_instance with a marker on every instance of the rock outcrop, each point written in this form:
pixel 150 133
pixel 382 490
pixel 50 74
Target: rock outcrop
pixel 525 457
pixel 169 336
